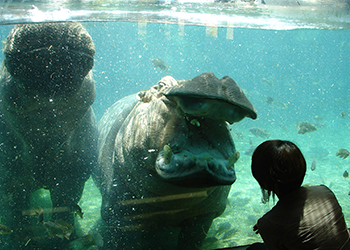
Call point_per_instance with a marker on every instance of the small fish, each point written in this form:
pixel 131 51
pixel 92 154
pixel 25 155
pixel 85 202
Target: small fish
pixel 306 127
pixel 342 153
pixel 342 115
pixel 259 132
pixel 78 211
pixel 5 229
pixel 313 165
pixel 346 174
pixel 281 105
pixel 60 229
pixel 159 63
pixel 269 100
pixel 88 241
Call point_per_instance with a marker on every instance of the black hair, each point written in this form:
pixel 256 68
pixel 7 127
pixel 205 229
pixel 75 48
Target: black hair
pixel 278 164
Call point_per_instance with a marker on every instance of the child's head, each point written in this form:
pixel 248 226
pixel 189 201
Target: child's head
pixel 278 166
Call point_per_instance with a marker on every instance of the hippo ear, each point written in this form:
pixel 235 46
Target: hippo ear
pixel 208 86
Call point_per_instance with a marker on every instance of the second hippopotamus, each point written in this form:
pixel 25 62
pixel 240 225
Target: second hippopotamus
pixel 166 161
pixel 48 130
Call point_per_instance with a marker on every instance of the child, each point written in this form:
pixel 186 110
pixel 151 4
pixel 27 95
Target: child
pixel 304 217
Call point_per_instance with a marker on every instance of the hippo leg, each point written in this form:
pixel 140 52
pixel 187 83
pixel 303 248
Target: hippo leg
pixel 63 200
pixel 68 192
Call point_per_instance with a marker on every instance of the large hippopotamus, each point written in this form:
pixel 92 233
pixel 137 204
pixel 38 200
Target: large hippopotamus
pixel 166 161
pixel 48 131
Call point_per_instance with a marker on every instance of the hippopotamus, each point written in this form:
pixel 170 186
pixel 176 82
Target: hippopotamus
pixel 166 161
pixel 48 131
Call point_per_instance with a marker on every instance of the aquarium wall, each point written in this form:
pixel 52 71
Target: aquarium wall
pixel 290 62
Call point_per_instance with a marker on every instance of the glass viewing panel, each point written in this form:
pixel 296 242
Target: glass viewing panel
pixel 171 151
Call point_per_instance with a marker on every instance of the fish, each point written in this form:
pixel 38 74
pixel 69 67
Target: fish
pixel 60 229
pixel 159 63
pixel 281 105
pixel 269 99
pixel 88 241
pixel 346 174
pixel 223 228
pixel 342 153
pixel 306 127
pixel 259 132
pixel 5 229
pixel 342 115
pixel 313 165
pixel 78 211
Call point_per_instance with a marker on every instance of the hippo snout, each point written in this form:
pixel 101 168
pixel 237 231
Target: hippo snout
pixel 204 157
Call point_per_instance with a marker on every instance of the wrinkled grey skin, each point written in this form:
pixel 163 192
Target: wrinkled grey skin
pixel 47 127
pixel 154 198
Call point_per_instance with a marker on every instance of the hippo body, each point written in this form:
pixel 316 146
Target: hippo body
pixel 48 130
pixel 166 163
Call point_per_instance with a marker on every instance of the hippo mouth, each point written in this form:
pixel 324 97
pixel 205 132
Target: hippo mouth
pixel 200 159
pixel 191 170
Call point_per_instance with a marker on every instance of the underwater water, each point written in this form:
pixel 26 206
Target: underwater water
pixel 290 77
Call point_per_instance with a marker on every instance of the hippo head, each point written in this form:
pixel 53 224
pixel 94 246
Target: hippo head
pixel 50 57
pixel 190 132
